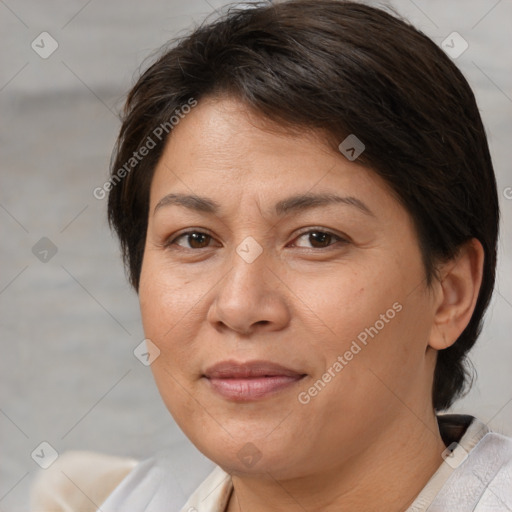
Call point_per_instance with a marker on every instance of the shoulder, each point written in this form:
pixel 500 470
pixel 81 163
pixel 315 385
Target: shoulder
pixel 496 455
pixel 482 478
pixel 164 481
pixel 78 481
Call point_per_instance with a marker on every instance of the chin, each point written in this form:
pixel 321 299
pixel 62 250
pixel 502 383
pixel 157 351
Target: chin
pixel 242 454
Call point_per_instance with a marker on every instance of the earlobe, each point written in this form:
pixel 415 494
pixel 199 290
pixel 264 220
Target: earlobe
pixel 458 290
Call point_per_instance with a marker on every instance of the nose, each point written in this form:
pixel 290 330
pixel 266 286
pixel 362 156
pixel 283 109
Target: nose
pixel 251 298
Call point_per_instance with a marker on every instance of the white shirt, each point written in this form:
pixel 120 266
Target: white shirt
pixel 477 477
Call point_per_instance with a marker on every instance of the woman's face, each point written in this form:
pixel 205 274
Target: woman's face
pixel 317 306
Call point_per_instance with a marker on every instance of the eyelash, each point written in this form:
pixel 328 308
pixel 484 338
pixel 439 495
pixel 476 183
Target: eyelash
pixel 338 239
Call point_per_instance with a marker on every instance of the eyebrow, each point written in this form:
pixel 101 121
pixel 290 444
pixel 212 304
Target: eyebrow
pixel 284 207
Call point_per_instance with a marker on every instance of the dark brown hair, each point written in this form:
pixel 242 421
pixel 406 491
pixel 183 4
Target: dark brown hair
pixel 342 68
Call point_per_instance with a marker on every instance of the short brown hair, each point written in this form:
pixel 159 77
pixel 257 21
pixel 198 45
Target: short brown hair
pixel 343 68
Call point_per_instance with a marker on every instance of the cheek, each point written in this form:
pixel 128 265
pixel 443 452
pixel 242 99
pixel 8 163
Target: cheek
pixel 367 316
pixel 167 298
pixel 342 303
pixel 166 304
pixel 173 311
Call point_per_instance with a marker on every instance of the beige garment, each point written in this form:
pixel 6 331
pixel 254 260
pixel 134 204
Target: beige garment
pixel 78 481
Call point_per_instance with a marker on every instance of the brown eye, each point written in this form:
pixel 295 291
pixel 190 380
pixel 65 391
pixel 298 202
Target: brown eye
pixel 195 239
pixel 318 239
pixel 322 239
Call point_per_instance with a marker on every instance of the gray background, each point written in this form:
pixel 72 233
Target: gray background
pixel 69 326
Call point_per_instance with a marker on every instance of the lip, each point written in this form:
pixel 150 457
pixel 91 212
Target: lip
pixel 258 368
pixel 251 380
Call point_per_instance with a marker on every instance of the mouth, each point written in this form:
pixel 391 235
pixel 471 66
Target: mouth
pixel 250 381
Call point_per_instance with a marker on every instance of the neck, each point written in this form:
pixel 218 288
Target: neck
pixel 386 475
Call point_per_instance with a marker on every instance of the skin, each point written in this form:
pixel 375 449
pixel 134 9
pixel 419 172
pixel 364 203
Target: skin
pixel 300 303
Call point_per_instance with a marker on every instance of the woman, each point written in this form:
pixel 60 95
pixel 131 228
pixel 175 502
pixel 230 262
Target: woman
pixel 307 209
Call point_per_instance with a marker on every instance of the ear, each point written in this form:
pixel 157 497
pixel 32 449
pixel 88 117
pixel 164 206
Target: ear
pixel 457 293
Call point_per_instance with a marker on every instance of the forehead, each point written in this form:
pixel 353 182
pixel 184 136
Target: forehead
pixel 224 132
pixel 222 148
